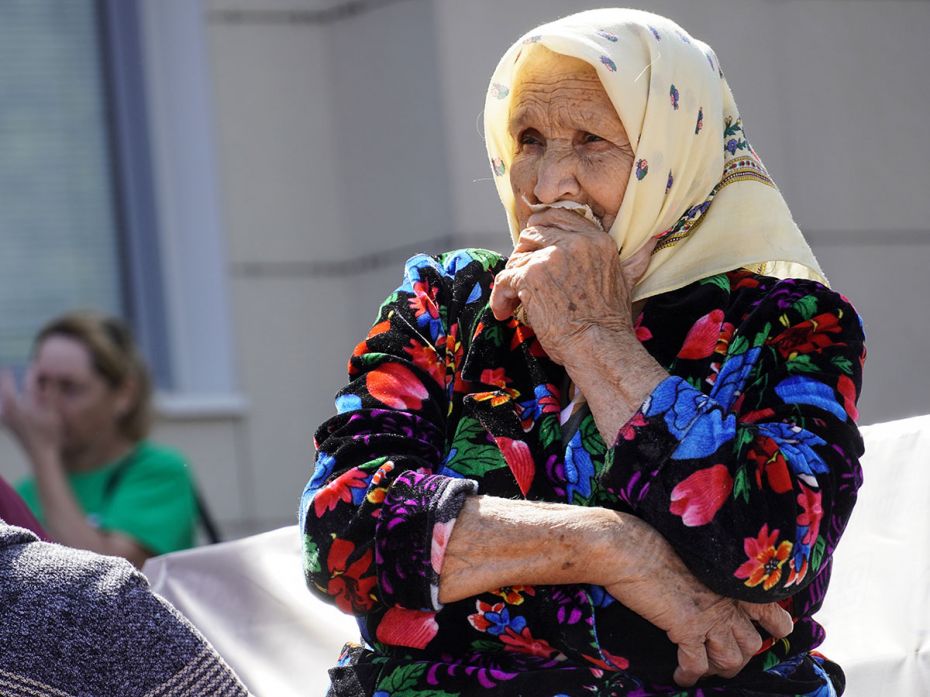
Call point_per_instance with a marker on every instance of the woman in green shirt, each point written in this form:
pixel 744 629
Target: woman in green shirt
pixel 82 422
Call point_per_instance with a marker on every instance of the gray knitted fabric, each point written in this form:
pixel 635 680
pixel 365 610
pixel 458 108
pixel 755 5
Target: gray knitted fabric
pixel 77 624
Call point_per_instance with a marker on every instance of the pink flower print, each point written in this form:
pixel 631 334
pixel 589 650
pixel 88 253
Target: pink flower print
pixel 697 498
pixel 642 333
pixel 811 513
pixel 700 121
pixel 611 66
pixel 396 386
pixel 520 461
pixel 498 166
pixel 628 430
pixel 524 642
pixel 642 169
pixel 702 337
pixel 604 34
pixel 673 95
pixel 403 627
pixel 440 540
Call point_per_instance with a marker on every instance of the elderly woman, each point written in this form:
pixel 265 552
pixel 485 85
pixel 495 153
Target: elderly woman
pixel 578 472
pixel 82 422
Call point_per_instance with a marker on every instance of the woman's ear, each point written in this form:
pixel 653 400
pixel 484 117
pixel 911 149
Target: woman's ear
pixel 125 397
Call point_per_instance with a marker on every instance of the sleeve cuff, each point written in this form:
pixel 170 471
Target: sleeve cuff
pixel 411 536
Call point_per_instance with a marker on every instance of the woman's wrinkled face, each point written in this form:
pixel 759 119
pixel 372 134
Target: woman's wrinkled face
pixel 570 143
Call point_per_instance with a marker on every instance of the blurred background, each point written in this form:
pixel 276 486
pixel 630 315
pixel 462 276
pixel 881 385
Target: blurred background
pixel 243 179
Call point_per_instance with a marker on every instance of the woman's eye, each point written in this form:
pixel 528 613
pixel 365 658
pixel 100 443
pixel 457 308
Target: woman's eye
pixel 530 137
pixel 591 138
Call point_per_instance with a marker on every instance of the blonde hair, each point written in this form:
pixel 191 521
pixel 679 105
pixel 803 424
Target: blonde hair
pixel 114 357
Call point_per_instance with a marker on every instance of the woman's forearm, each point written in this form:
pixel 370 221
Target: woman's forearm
pixel 64 519
pixel 502 542
pixel 615 374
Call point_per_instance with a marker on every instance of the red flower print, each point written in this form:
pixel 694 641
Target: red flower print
pixel 698 498
pixel 616 662
pixel 513 595
pixel 424 357
pixel 847 388
pixel 642 333
pixel 479 619
pixel 396 386
pixel 811 513
pixel 340 489
pixel 628 430
pixel 702 337
pixel 518 457
pixel 807 337
pixel 765 560
pixel 403 627
pixel 351 590
pixel 523 642
pixel 423 301
pixel 769 459
pixel 494 376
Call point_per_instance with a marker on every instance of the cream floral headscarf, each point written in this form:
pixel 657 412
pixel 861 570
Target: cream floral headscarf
pixel 697 185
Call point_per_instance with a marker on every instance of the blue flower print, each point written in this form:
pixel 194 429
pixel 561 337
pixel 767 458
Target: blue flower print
pixel 611 66
pixel 691 417
pixel 603 33
pixel 642 169
pixel 475 294
pixel 500 621
pixel 800 389
pixel 579 470
pixel 671 180
pixel 325 464
pixel 655 32
pixel 348 402
pixel 673 95
pixel 700 121
pixel 796 445
pixel 733 376
pixel 731 146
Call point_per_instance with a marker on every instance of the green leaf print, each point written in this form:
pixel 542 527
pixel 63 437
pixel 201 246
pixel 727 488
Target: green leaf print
pixel 741 485
pixel 549 430
pixel 494 333
pixel 771 660
pixel 820 546
pixel 311 556
pixel 842 363
pixel 801 363
pixel 738 345
pixel 473 459
pixel 806 307
pixel 762 335
pixel 590 437
pixel 372 357
pixel 402 678
pixel 720 280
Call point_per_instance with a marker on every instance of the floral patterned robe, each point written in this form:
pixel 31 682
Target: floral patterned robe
pixel 744 458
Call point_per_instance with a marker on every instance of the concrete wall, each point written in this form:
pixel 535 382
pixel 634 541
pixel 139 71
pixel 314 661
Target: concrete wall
pixel 348 141
pixel 359 138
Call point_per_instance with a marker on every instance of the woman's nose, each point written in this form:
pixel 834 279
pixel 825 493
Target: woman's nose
pixel 555 178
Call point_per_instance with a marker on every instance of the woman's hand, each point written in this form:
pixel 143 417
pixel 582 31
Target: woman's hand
pixel 715 635
pixel 566 274
pixel 36 426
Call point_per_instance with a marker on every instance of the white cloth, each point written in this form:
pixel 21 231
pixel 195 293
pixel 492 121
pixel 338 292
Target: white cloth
pixel 250 600
pixel 248 597
pixel 877 611
pixel 696 183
